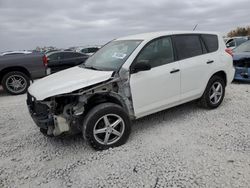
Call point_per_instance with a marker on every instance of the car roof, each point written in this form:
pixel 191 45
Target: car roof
pixel 58 51
pixel 16 52
pixel 90 46
pixel 61 51
pixel 152 35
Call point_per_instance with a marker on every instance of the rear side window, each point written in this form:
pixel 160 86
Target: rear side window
pixel 211 42
pixel 85 50
pixel 13 54
pixel 230 43
pixel 239 41
pixel 55 56
pixel 92 50
pixel 187 46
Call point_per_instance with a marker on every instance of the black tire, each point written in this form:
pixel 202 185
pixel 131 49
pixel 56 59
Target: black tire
pixel 24 80
pixel 205 100
pixel 95 117
pixel 44 132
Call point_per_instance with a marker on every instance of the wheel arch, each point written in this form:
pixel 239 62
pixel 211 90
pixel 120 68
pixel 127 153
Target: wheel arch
pixel 11 69
pixel 221 74
pixel 99 98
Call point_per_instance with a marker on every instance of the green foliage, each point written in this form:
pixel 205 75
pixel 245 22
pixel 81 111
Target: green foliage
pixel 240 31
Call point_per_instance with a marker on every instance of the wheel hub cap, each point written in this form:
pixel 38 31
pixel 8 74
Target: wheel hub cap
pixel 215 93
pixel 109 129
pixel 16 83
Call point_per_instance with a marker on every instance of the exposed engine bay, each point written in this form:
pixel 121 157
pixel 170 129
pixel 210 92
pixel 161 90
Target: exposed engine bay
pixel 64 114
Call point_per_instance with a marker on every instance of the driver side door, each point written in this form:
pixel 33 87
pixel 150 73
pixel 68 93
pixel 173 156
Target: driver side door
pixel 158 88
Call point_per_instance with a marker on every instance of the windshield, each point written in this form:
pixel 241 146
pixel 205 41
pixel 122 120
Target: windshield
pixel 245 47
pixel 112 56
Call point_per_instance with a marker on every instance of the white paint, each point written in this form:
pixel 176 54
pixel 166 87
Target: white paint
pixel 155 89
pixel 67 81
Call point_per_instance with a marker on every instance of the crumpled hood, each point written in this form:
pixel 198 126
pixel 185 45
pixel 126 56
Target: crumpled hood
pixel 67 81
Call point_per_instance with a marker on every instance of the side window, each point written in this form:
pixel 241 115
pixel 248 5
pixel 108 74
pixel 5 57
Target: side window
pixel 239 41
pixel 92 50
pixel 68 55
pixel 85 50
pixel 211 42
pixel 13 54
pixel 187 46
pixel 231 43
pixel 55 56
pixel 157 52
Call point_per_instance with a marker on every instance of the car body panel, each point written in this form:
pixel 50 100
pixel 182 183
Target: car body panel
pixel 194 74
pixel 67 81
pixel 139 93
pixel 192 70
pixel 242 66
pixel 32 62
pixel 234 42
pixel 63 62
pixel 155 89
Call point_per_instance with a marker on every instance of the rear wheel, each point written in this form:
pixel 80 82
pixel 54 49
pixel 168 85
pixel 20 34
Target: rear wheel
pixel 214 93
pixel 15 82
pixel 106 125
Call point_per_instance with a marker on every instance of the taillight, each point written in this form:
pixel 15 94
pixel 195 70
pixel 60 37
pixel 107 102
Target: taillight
pixel 229 51
pixel 45 61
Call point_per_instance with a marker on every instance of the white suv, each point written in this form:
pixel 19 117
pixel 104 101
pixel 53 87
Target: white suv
pixel 129 78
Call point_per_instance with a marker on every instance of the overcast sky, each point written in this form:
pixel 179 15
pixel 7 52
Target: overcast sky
pixel 25 24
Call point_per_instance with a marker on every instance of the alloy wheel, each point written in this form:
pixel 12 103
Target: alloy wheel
pixel 16 83
pixel 109 129
pixel 215 93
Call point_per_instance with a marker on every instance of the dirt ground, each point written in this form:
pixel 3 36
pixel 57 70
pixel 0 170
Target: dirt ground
pixel 185 146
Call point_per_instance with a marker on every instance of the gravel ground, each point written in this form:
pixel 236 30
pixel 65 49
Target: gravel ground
pixel 181 147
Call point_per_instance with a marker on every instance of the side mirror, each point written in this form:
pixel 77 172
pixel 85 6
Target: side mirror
pixel 141 66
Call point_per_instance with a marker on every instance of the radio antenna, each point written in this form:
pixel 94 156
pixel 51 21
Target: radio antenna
pixel 195 27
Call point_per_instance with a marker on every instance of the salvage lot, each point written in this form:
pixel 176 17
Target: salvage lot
pixel 184 146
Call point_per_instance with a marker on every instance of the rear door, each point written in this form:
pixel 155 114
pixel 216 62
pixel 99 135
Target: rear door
pixel 195 65
pixel 54 61
pixel 70 59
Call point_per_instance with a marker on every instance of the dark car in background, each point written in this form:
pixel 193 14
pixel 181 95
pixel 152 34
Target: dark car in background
pixel 60 60
pixel 234 42
pixel 18 69
pixel 241 57
pixel 90 50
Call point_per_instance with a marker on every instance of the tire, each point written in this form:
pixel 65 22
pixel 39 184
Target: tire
pixel 21 80
pixel 206 101
pixel 44 132
pixel 102 118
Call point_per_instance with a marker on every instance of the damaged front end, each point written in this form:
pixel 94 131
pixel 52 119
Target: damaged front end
pixel 64 114
pixel 242 69
pixel 56 115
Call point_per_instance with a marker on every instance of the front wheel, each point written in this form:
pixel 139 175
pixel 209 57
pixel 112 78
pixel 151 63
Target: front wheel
pixel 214 93
pixel 106 125
pixel 15 82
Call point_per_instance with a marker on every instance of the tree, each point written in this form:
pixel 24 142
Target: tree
pixel 239 31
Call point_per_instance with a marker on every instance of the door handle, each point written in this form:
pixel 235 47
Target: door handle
pixel 174 71
pixel 210 61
